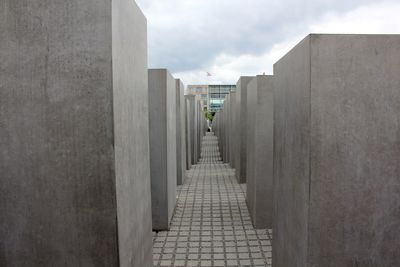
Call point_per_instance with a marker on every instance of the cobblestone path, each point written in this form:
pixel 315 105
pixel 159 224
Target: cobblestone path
pixel 211 225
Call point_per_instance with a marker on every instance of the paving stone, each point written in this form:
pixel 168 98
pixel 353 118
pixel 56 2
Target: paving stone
pixel 219 263
pixel 179 263
pixel 211 225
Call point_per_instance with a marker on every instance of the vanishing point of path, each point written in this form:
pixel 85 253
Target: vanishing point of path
pixel 211 225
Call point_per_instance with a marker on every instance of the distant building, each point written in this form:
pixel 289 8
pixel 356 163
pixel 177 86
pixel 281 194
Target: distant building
pixel 201 90
pixel 212 96
pixel 216 95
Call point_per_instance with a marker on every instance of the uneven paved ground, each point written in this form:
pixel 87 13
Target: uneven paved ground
pixel 211 225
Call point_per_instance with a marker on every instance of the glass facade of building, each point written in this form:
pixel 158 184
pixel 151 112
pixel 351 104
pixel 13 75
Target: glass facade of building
pixel 216 95
pixel 212 96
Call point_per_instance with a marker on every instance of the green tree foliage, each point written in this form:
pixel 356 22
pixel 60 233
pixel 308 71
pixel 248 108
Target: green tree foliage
pixel 209 115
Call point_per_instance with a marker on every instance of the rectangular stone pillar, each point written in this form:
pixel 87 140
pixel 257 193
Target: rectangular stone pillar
pixel 200 126
pixel 337 152
pixel 162 121
pixel 260 148
pixel 227 133
pixel 232 130
pixel 217 124
pixel 221 132
pixel 194 132
pixel 188 136
pixel 197 129
pixel 180 132
pixel 75 179
pixel 240 132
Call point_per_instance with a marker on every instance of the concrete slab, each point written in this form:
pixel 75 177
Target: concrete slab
pixel 217 129
pixel 188 134
pixel 260 148
pixel 232 129
pixel 131 134
pixel 226 127
pixel 180 132
pixel 337 152
pixel 162 121
pixel 75 181
pixel 240 133
pixel 194 127
pixel 221 132
pixel 200 126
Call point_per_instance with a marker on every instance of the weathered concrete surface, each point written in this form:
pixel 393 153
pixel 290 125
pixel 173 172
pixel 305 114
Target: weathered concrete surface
pixel 194 127
pixel 218 129
pixel 180 132
pixel 200 127
pixel 337 152
pixel 240 133
pixel 65 88
pixel 260 148
pixel 232 129
pixel 221 130
pixel 188 134
pixel 226 129
pixel 162 121
pixel 291 157
pixel 131 134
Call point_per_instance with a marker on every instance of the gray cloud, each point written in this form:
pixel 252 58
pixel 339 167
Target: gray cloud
pixel 186 35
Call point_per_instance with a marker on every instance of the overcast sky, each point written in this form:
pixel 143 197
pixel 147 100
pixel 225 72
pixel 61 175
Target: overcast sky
pixel 230 38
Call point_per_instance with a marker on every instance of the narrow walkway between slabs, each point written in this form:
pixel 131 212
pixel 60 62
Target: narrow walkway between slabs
pixel 211 225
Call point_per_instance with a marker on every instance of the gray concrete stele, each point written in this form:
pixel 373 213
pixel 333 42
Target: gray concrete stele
pixel 232 129
pixel 180 133
pixel 240 128
pixel 193 127
pixel 162 121
pixel 336 162
pixel 188 134
pixel 260 150
pixel 74 160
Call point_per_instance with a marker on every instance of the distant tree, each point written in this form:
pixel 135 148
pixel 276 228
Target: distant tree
pixel 208 114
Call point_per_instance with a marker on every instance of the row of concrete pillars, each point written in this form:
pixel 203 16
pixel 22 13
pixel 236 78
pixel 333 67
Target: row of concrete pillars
pixel 177 125
pixel 92 143
pixel 318 145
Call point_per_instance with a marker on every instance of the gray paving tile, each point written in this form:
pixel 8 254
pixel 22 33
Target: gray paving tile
pixel 211 225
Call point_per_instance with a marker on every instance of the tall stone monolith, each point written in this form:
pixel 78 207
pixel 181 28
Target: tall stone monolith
pixel 74 160
pixel 337 153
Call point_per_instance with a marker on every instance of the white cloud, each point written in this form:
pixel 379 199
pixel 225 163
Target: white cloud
pixel 227 68
pixel 230 38
pixel 377 18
